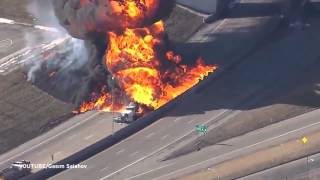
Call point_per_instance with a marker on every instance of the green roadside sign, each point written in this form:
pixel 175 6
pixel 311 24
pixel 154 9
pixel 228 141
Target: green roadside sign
pixel 201 128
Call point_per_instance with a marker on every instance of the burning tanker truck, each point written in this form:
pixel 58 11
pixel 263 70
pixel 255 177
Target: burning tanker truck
pixel 131 36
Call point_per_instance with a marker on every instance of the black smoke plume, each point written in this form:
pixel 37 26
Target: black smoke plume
pixel 90 20
pixel 86 19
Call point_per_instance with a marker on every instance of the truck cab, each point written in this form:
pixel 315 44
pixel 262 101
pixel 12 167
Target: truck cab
pixel 129 115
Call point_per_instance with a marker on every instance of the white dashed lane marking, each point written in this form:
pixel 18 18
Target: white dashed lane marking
pixel 106 168
pixel 119 152
pixel 134 154
pixel 177 119
pixel 150 135
pixel 88 137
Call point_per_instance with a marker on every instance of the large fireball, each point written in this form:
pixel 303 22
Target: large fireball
pixel 137 59
pixel 132 58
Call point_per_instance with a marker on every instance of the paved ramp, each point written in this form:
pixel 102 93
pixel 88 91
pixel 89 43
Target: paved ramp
pixel 204 6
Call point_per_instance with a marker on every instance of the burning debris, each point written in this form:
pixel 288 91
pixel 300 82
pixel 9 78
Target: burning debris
pixel 140 67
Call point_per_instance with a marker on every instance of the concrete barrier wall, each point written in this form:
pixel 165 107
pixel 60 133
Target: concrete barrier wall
pixel 113 139
pixel 135 126
pixel 107 142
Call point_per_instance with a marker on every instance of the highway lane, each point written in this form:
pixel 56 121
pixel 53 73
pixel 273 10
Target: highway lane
pixel 209 6
pixel 177 123
pixel 19 40
pixel 64 140
pixel 233 88
pixel 304 168
pixel 285 73
pixel 206 6
pixel 27 55
pixel 108 163
pixel 16 37
pixel 294 128
pixel 269 157
pixel 11 33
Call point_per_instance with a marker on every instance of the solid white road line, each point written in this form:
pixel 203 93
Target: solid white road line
pixel 148 127
pixel 164 137
pixel 49 139
pixel 44 28
pixel 191 10
pixel 88 137
pixel 241 149
pixel 154 152
pixel 131 137
pixel 150 171
pixel 6 21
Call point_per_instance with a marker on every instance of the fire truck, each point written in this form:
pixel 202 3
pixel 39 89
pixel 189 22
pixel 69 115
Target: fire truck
pixel 16 171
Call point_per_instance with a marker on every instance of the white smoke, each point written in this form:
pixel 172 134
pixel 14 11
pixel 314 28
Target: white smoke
pixel 57 51
pixel 63 55
pixel 49 30
pixel 45 27
pixel 43 13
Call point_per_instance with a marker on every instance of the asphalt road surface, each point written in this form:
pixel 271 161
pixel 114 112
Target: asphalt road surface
pixel 244 84
pixel 240 146
pixel 206 6
pixel 64 140
pixel 180 121
pixel 15 37
pixel 11 39
pixel 148 169
pixel 305 168
pixel 18 40
pixel 272 52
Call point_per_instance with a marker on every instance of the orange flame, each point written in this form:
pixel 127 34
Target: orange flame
pixel 105 102
pixel 133 11
pixel 133 59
